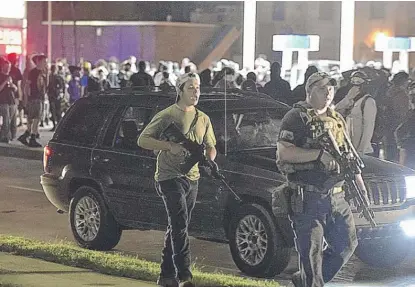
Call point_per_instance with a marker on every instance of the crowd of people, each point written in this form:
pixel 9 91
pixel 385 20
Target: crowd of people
pixel 374 102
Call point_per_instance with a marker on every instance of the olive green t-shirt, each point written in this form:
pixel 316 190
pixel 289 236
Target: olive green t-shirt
pixel 168 163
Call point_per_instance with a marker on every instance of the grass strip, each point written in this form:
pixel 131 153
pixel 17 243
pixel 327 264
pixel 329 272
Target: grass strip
pixel 114 263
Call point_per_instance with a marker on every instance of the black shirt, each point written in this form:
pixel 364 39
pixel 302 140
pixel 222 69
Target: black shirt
pixel 6 95
pixel 34 77
pixel 141 79
pixel 15 74
pixel 294 130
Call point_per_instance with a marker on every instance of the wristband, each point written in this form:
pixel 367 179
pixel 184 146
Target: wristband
pixel 320 155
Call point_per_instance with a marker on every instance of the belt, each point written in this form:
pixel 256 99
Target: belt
pixel 312 188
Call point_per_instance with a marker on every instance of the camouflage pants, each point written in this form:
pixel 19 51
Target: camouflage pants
pixel 329 218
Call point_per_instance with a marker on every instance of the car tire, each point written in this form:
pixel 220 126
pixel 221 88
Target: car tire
pixel 271 261
pixel 97 228
pixel 384 253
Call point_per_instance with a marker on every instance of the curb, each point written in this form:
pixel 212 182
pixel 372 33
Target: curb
pixel 8 150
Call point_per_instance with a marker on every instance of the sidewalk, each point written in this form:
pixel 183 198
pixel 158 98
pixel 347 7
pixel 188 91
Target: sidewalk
pixel 17 149
pixel 25 271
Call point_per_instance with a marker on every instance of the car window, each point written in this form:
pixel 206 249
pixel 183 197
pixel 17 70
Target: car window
pixel 257 128
pixel 130 127
pixel 84 123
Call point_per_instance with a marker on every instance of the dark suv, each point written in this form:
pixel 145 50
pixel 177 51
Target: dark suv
pixel 95 171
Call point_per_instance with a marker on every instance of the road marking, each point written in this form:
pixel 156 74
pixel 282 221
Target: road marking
pixel 24 188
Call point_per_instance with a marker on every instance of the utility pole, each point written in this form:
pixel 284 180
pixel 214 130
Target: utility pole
pixel 50 32
pixel 347 34
pixel 249 33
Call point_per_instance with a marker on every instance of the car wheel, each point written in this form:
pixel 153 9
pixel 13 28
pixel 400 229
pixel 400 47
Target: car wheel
pixel 256 244
pixel 93 226
pixel 383 253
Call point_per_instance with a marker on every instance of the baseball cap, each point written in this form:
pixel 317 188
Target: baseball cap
pixel 184 78
pixel 320 79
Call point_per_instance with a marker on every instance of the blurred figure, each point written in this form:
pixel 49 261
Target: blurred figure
pixel 141 78
pixel 56 88
pixel 359 109
pixel 397 106
pixel 74 88
pixel 225 78
pixel 298 94
pixel 17 78
pixel 125 76
pixel 7 102
pixel 206 78
pixel 278 88
pixel 250 84
pixel 102 80
pixel 405 133
pixel 166 84
pixel 113 78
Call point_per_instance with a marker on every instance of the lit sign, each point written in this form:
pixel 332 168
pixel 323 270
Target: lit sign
pixel 295 42
pixel 10 37
pixel 13 49
pixel 393 44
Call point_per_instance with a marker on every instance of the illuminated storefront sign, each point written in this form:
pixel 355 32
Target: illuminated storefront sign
pixel 10 36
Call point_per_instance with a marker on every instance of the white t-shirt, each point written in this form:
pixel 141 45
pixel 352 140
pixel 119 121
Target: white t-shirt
pixel 360 125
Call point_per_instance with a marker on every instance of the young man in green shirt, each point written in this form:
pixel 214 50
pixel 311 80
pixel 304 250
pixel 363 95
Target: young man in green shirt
pixel 178 190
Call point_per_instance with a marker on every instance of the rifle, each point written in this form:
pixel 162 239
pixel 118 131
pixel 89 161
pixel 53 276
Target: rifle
pixel 197 155
pixel 350 165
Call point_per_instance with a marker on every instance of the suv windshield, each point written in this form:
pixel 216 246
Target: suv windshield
pixel 248 129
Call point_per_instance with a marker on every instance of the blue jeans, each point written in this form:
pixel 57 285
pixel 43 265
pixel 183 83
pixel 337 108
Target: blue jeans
pixel 179 196
pixel 324 216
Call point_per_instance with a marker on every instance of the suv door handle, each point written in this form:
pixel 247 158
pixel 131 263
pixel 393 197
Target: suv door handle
pixel 98 158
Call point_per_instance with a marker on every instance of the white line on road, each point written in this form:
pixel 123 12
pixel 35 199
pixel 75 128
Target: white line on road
pixel 25 188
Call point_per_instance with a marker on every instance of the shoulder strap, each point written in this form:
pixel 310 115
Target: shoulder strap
pixel 194 122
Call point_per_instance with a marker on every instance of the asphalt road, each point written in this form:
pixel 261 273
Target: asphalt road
pixel 25 211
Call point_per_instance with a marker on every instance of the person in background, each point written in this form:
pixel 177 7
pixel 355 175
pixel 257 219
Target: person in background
pixel 359 108
pixel 17 78
pixel 142 78
pixel 74 86
pixel 250 83
pixel 37 80
pixel 56 88
pixel 206 78
pixel 7 101
pixel 397 107
pixel 405 133
pixel 278 88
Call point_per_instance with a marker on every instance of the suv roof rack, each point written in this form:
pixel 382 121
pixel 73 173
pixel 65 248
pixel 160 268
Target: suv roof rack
pixel 171 92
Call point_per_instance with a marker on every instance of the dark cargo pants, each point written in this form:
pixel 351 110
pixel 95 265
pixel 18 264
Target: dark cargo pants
pixel 329 218
pixel 179 196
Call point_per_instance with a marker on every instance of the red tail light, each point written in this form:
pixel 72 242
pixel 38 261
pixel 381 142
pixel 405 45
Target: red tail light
pixel 47 153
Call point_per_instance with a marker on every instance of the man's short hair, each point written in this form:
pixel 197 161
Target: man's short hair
pixel 38 58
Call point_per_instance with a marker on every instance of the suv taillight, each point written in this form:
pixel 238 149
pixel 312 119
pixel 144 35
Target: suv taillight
pixel 47 153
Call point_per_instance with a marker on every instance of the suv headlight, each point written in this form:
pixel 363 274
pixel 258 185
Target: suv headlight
pixel 410 186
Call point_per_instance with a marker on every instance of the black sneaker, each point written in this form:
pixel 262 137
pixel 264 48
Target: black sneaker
pixel 167 282
pixel 34 143
pixel 296 279
pixel 23 139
